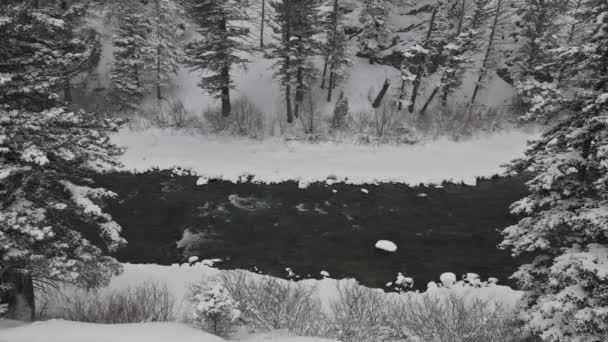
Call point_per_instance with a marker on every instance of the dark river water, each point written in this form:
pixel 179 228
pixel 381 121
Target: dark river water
pixel 334 228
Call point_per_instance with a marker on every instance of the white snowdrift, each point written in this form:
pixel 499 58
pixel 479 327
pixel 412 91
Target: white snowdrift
pixel 275 160
pixel 65 331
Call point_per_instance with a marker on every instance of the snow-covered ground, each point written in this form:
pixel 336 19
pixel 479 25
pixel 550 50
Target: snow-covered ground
pixel 276 160
pixel 178 279
pixel 64 331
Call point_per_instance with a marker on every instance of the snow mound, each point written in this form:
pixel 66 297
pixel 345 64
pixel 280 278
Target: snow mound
pixel 386 245
pixel 448 279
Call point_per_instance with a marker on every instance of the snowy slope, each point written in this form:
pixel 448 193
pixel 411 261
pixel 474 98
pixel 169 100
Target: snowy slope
pixel 407 19
pixel 275 160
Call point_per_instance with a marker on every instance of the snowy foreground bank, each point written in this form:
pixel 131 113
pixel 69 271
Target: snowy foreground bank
pixel 64 331
pixel 275 160
pixel 178 280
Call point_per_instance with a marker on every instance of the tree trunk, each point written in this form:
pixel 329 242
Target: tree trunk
pixel 299 92
pixel 324 74
pixel 378 100
pixel 262 24
pixel 428 101
pixel 420 69
pixel 461 16
pixel 332 80
pixel 288 103
pixel 486 57
pixel 21 305
pixel 226 107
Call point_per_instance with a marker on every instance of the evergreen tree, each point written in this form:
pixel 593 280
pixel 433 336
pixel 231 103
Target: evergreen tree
pixel 222 43
pixel 341 111
pixel 496 15
pixel 132 54
pixel 41 51
pixel 376 34
pixel 565 217
pixel 296 23
pixel 335 48
pixel 165 40
pixel 47 158
pixel 214 308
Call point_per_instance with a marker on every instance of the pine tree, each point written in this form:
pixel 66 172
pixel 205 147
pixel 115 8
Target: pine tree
pixel 335 49
pixel 132 54
pixel 165 40
pixel 47 158
pixel 420 58
pixel 214 308
pixel 480 14
pixel 295 24
pixel 565 217
pixel 341 111
pixel 376 33
pixel 37 74
pixel 222 43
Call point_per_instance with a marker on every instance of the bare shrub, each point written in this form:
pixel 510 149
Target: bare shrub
pixel 309 115
pixel 385 120
pixel 450 318
pixel 270 303
pixel 147 302
pixel 172 114
pixel 462 120
pixel 357 312
pixel 245 119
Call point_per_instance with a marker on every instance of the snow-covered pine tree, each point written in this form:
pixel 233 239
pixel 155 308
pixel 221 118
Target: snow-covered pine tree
pixel 565 217
pixel 47 157
pixel 133 54
pixel 532 66
pixel 222 44
pixel 335 48
pixel 420 58
pixel 457 59
pixel 497 14
pixel 376 34
pixel 341 111
pixel 37 75
pixel 165 41
pixel 46 160
pixel 214 308
pixel 295 25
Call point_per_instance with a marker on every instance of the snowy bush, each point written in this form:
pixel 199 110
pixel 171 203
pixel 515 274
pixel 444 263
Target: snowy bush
pixel 245 119
pixel 214 308
pixel 446 318
pixel 147 302
pixel 270 303
pixel 357 312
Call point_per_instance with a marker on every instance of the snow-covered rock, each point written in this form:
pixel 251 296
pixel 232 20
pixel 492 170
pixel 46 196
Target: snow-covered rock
pixel 386 245
pixel 324 274
pixel 192 259
pixel 448 279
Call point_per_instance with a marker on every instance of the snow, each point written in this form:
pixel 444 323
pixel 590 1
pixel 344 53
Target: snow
pixel 324 274
pixel 365 191
pixel 65 331
pixel 448 279
pixel 386 245
pixel 192 259
pixel 276 160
